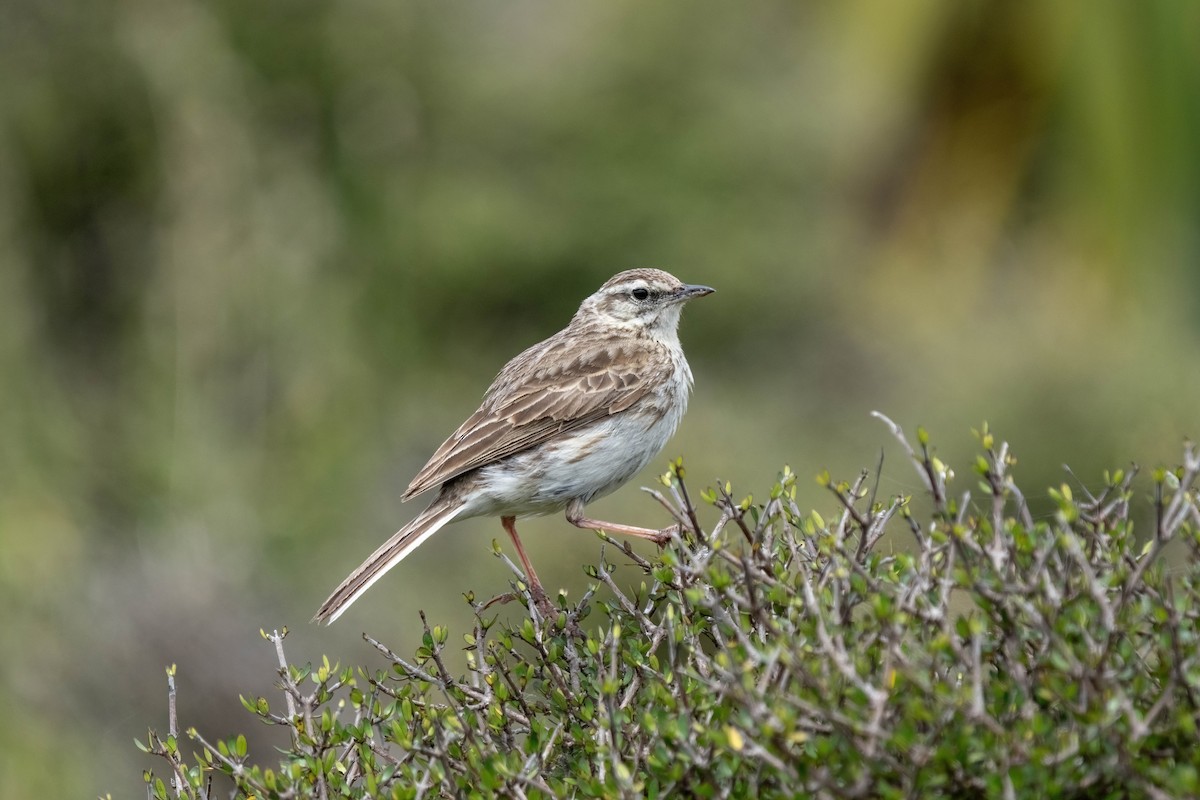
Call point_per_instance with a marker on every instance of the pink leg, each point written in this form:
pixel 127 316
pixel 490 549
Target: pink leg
pixel 659 537
pixel 535 586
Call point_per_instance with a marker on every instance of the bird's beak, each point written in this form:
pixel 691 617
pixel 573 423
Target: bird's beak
pixel 688 291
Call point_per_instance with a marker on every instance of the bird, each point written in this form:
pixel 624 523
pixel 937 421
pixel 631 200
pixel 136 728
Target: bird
pixel 566 421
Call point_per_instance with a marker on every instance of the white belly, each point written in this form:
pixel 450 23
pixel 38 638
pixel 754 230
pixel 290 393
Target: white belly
pixel 585 464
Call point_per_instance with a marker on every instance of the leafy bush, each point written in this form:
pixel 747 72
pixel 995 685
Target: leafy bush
pixel 977 652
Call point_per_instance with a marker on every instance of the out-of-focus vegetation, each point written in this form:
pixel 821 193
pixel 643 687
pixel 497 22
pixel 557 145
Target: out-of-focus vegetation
pixel 259 259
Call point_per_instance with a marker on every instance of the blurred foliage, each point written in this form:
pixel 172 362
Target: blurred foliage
pixel 258 259
pixel 993 656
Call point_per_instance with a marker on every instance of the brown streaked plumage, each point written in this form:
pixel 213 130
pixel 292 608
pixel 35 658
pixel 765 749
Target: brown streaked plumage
pixel 568 420
pixel 522 410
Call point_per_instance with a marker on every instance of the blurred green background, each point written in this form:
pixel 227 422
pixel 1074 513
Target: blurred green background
pixel 259 259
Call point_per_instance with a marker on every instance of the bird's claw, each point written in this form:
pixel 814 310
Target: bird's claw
pixel 663 538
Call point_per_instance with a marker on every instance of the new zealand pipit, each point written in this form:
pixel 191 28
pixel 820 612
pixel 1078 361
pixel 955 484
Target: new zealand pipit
pixel 568 420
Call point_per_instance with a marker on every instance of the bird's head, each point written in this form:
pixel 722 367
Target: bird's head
pixel 644 301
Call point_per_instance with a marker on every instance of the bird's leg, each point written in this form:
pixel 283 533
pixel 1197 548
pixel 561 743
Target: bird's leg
pixel 535 586
pixel 659 537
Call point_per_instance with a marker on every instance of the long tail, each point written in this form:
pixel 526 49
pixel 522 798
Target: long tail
pixel 391 553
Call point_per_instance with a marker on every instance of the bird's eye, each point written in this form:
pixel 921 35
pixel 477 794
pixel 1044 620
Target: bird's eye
pixel 640 293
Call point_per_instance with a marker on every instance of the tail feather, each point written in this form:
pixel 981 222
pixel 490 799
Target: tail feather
pixel 390 553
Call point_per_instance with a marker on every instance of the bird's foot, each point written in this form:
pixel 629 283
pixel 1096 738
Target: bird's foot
pixel 537 594
pixel 663 537
pixel 544 605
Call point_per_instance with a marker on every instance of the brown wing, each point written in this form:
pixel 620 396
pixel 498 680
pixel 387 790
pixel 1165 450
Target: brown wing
pixel 539 394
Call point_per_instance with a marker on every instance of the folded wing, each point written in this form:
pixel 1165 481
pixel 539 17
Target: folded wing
pixel 540 394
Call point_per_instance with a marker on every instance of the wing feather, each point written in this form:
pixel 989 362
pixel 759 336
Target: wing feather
pixel 540 394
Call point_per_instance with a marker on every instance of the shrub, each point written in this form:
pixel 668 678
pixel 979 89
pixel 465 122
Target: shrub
pixel 977 652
